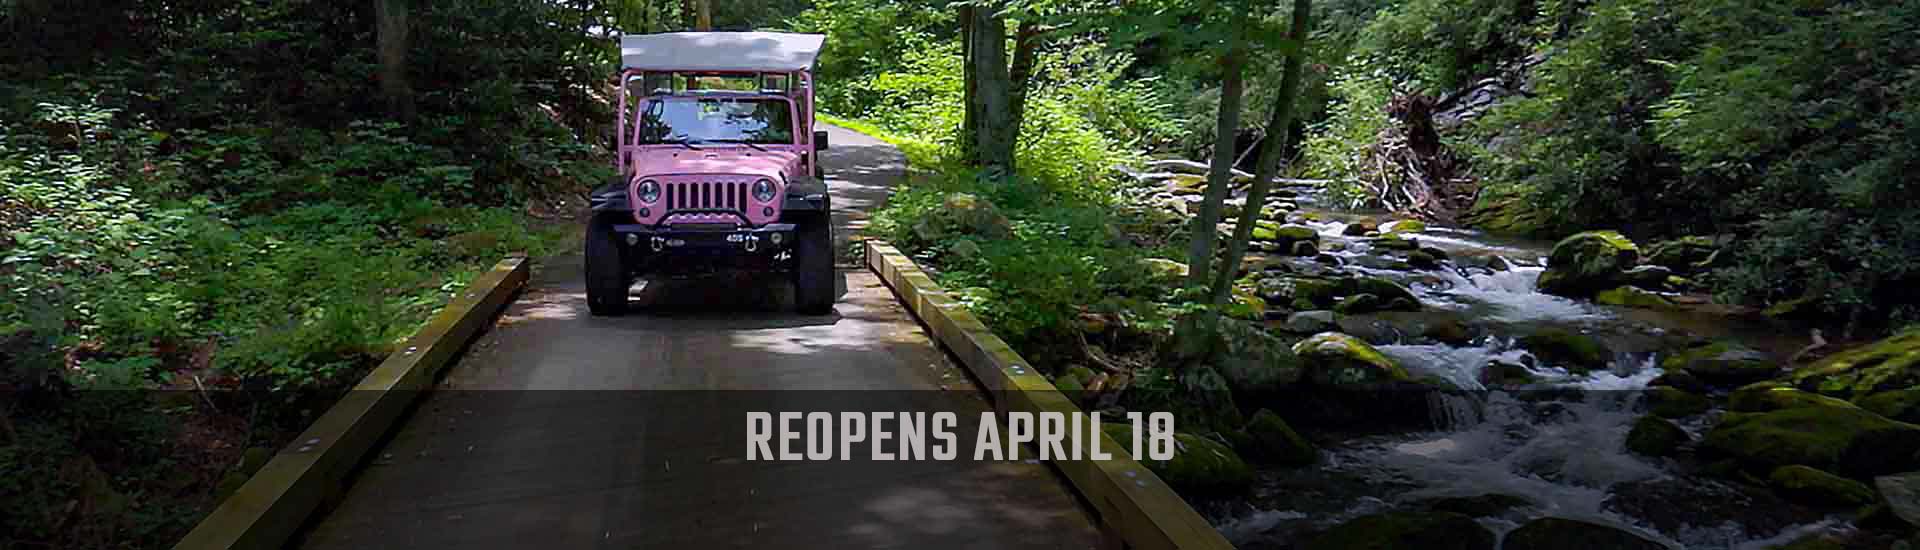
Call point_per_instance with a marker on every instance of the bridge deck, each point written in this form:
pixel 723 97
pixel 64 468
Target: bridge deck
pixel 560 430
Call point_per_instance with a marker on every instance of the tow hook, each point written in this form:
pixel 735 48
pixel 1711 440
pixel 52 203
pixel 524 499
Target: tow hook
pixel 752 243
pixel 659 243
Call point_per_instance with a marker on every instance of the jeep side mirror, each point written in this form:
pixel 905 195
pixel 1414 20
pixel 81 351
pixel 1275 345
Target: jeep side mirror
pixel 820 140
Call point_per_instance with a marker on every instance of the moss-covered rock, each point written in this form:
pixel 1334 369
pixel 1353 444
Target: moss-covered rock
pixel 1670 402
pixel 1630 296
pixel 1586 263
pixel 1274 441
pixel 1683 255
pixel 1650 277
pixel 1499 374
pixel 1889 364
pixel 1253 360
pixel 1313 293
pixel 1403 226
pixel 1398 530
pixel 1394 242
pixel 1199 466
pixel 1568 350
pixel 1162 271
pixel 1814 486
pixel 1901 405
pixel 1448 331
pixel 1722 363
pixel 1360 227
pixel 1773 396
pixel 1390 293
pixel 1679 379
pixel 1422 260
pixel 1339 359
pixel 1902 493
pixel 1359 303
pixel 1851 441
pixel 1567 534
pixel 1655 436
pixel 1479 506
pixel 965 214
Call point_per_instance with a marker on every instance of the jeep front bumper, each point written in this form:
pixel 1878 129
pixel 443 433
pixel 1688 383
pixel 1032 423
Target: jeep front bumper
pixel 707 239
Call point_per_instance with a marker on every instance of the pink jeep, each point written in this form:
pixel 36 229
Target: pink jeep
pixel 719 167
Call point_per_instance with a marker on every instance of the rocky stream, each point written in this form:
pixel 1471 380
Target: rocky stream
pixel 1619 408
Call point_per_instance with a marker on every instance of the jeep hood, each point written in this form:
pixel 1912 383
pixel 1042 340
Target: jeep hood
pixel 715 160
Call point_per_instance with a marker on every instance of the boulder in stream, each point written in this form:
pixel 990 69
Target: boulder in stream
pixel 1722 363
pixel 1338 359
pixel 1773 396
pixel 1655 436
pixel 1849 441
pixel 1272 440
pixel 1682 255
pixel 1587 263
pixel 1568 534
pixel 1889 364
pixel 1253 360
pixel 1578 353
pixel 1903 495
pixel 1632 296
pixel 1901 405
pixel 1814 486
pixel 1199 465
pixel 1669 402
pixel 1312 322
pixel 1423 530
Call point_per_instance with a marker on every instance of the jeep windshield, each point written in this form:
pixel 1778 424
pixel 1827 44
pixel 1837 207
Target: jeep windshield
pixel 696 120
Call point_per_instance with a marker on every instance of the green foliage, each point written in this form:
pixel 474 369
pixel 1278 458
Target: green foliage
pixel 1442 44
pixel 1335 148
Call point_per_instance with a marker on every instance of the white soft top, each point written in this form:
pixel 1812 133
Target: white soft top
pixel 721 51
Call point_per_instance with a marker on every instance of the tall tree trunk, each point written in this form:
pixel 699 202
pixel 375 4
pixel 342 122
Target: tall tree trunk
pixel 703 15
pixel 1220 173
pixel 992 127
pixel 1194 337
pixel 1026 46
pixel 1275 146
pixel 688 15
pixel 391 25
pixel 969 154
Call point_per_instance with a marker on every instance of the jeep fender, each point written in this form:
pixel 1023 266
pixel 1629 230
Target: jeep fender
pixel 610 197
pixel 804 193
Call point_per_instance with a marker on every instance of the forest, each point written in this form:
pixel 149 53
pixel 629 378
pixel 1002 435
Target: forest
pixel 1404 269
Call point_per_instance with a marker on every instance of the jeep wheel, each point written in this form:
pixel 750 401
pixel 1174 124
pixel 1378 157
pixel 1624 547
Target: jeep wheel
pixel 607 280
pixel 813 267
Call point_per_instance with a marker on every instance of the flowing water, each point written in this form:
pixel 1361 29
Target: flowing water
pixel 1557 446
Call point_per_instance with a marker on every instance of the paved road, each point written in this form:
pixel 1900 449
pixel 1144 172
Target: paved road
pixel 561 430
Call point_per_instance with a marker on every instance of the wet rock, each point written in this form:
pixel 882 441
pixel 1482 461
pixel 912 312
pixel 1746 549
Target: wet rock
pixel 1813 486
pixel 1423 530
pixel 1312 322
pixel 1902 492
pixel 1358 228
pixel 1199 466
pixel 1629 296
pixel 1655 436
pixel 1587 263
pixel 1272 440
pixel 1850 441
pixel 1722 363
pixel 1421 260
pixel 1478 506
pixel 1812 542
pixel 1679 379
pixel 1397 297
pixel 1245 304
pixel 1499 374
pixel 1337 359
pixel 1901 405
pixel 1448 331
pixel 1574 352
pixel 1889 364
pixel 1567 534
pixel 1772 396
pixel 1667 402
pixel 1359 303
pixel 1328 259
pixel 1683 255
pixel 1304 248
pixel 1673 504
pixel 1162 271
pixel 1650 277
pixel 964 249
pixel 1394 242
pixel 1403 226
pixel 1252 360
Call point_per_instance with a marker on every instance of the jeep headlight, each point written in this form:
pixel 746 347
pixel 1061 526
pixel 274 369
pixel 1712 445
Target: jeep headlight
pixel 649 191
pixel 763 190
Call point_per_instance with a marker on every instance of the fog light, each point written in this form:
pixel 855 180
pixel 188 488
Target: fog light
pixel 775 238
pixel 768 211
pixel 632 239
pixel 645 213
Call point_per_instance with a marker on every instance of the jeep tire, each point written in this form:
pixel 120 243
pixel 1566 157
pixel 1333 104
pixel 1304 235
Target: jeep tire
pixel 813 285
pixel 607 280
